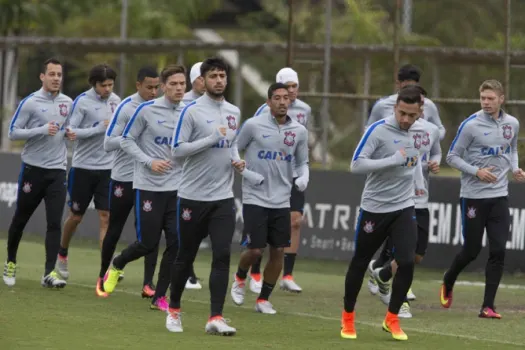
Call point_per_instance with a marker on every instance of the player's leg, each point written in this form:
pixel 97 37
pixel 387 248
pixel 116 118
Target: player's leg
pixel 221 226
pixel 278 238
pixel 403 232
pixel 101 201
pixel 371 232
pixel 297 200
pixel 169 224
pixel 149 211
pixel 193 281
pixel 150 264
pixel 498 227
pixel 81 186
pixel 382 275
pixel 31 190
pixel 121 199
pixel 384 257
pixel 255 275
pixel 473 218
pixel 423 224
pixel 192 224
pixel 255 233
pixel 55 197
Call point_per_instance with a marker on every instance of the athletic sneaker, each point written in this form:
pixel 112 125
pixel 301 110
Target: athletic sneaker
pixel 61 266
pixel 111 279
pixel 444 297
pixel 348 325
pixel 410 295
pixel 488 312
pixel 237 291
pixel 265 307
pixel 391 325
pixel 52 280
pixel 9 273
pixel 148 291
pixel 173 321
pixel 404 312
pixel 193 283
pixel 255 283
pixel 160 304
pixel 383 287
pixel 289 285
pixel 372 284
pixel 219 326
pixel 99 289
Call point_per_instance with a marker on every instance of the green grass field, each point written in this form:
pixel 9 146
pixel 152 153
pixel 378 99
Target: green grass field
pixel 32 317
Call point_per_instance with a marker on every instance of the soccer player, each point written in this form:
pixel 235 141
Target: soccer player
pixel 300 112
pixel 197 85
pixel 270 143
pixel 204 134
pixel 197 90
pixel 147 137
pixel 430 160
pixel 90 171
pixel 485 149
pixel 407 75
pixel 121 186
pixel 39 120
pixel 389 154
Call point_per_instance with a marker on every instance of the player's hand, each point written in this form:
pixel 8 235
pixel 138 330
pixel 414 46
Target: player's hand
pixel 222 130
pixel 433 166
pixel 519 175
pixel 301 183
pixel 160 166
pixel 403 152
pixel 106 122
pixel 71 136
pixel 52 128
pixel 486 175
pixel 239 165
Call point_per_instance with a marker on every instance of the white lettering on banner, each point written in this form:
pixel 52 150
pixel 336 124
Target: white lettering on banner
pixel 341 216
pixel 323 208
pixel 440 225
pixel 517 228
pixel 8 193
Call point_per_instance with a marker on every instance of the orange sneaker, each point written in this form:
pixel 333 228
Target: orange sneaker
pixel 391 325
pixel 99 289
pixel 444 297
pixel 148 291
pixel 347 325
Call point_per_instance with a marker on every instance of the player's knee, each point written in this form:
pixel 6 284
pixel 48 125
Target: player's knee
pixel 472 252
pixel 405 262
pixel 221 258
pixel 256 253
pixel 75 218
pixel 497 254
pixel 104 216
pixel 296 220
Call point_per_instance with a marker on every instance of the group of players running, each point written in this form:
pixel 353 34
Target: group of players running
pixel 172 159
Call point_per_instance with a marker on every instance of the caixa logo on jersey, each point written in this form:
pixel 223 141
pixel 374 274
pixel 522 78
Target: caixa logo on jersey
pixel 495 150
pixel 411 161
pixel 163 140
pixel 222 144
pixel 275 155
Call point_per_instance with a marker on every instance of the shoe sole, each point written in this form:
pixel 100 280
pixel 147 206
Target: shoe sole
pixel 290 290
pixel 388 331
pixel 60 286
pixel 146 296
pixel 224 334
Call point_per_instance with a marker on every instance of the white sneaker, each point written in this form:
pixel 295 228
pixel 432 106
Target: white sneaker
pixel 289 285
pixel 219 326
pixel 383 287
pixel 372 284
pixel 410 295
pixel 9 273
pixel 61 267
pixel 173 322
pixel 265 307
pixel 237 291
pixel 256 286
pixel 52 281
pixel 193 284
pixel 404 312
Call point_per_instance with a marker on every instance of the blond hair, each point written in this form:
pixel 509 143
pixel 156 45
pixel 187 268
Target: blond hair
pixel 492 84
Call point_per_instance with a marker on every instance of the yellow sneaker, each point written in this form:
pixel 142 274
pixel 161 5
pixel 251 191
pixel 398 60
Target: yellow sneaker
pixel 111 279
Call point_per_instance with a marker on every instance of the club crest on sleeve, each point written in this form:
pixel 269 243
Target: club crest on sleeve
pixel 27 187
pixel 301 118
pixel 289 138
pixel 426 139
pixel 186 214
pixel 368 227
pixel 232 124
pixel 63 109
pixel 147 206
pixel 471 212
pixel 119 191
pixel 507 131
pixel 417 141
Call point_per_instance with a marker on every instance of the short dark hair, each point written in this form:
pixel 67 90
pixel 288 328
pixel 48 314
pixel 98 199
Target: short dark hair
pixel 419 87
pixel 275 86
pixel 101 73
pixel 49 61
pixel 146 72
pixel 213 63
pixel 409 72
pixel 410 94
pixel 170 70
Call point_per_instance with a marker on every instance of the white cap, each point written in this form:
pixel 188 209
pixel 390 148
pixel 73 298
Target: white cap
pixel 195 71
pixel 287 75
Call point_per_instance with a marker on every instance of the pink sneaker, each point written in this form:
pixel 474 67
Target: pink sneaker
pixel 160 304
pixel 487 312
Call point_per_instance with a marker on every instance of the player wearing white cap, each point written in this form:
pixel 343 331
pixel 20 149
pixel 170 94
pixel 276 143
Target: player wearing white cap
pixel 197 86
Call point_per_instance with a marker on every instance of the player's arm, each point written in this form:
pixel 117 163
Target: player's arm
pixel 132 132
pixel 182 146
pixel 514 159
pixel 361 162
pixel 302 162
pixel 77 116
pixel 17 127
pixel 240 142
pixel 436 153
pixel 457 149
pixel 419 180
pixel 115 129
pixel 435 119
